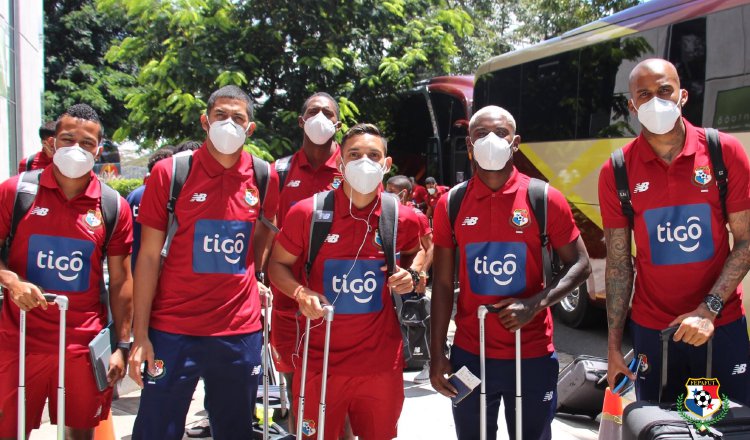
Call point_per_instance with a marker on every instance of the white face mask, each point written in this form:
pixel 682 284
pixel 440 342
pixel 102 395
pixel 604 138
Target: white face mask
pixel 363 175
pixel 492 152
pixel 226 136
pixel 319 129
pixel 73 162
pixel 431 191
pixel 658 115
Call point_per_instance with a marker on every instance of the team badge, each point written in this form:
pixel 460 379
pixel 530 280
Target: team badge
pixel 251 196
pixel 159 368
pixel 643 362
pixel 308 427
pixel 336 182
pixel 520 218
pixel 702 405
pixel 378 240
pixel 93 219
pixel 702 176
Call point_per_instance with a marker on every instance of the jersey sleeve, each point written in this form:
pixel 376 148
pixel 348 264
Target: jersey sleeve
pixel 442 233
pixel 271 201
pixel 294 235
pixel 7 197
pixel 561 227
pixel 609 203
pixel 738 172
pixel 153 209
pixel 122 237
pixel 408 230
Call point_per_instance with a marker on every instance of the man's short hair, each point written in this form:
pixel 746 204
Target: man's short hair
pixel 318 95
pixel 361 129
pixel 430 181
pixel 400 182
pixel 231 92
pixel 491 109
pixel 187 145
pixel 81 111
pixel 156 156
pixel 47 130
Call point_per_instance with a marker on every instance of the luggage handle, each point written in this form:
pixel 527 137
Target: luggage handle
pixel 665 336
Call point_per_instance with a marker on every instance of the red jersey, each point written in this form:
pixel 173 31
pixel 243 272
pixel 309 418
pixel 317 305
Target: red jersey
pixel 424 222
pixel 207 285
pixel 500 256
pixel 302 181
pixel 419 194
pixel 681 238
pixel 58 246
pixel 432 199
pixel 365 334
pixel 39 161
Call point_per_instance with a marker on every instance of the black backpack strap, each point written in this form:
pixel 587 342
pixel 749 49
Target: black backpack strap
pixel 181 164
pixel 26 189
pixel 623 187
pixel 388 229
pixel 320 224
pixel 719 167
pixel 262 170
pixel 537 193
pixel 110 204
pixel 453 205
pixel 283 166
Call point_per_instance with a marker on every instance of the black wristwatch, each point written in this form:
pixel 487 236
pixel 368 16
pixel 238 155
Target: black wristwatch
pixel 124 346
pixel 414 276
pixel 714 303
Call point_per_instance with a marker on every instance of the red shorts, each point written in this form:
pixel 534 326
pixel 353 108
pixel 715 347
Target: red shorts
pixel 85 405
pixel 284 341
pixel 373 404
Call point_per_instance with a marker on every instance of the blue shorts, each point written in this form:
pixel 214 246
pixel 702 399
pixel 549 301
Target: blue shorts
pixel 538 389
pixel 229 366
pixel 731 355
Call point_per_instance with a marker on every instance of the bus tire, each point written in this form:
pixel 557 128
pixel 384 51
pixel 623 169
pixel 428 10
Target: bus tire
pixel 576 311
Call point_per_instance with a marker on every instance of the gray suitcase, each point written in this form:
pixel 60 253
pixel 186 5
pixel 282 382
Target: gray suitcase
pixel 581 385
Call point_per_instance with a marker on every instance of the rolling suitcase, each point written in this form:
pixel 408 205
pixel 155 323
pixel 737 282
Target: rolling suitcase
pixel 62 304
pixel 328 318
pixel 645 420
pixel 482 314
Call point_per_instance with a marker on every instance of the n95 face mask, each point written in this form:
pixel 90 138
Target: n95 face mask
pixel 492 152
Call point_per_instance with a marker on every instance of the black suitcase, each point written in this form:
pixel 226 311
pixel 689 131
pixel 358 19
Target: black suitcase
pixel 646 420
pixel 581 385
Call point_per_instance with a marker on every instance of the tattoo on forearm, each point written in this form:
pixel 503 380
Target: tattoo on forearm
pixel 735 269
pixel 618 276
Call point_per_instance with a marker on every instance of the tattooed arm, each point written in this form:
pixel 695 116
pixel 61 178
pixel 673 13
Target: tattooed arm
pixel 619 288
pixel 697 326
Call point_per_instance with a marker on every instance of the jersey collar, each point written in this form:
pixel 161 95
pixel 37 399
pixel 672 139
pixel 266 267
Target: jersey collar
pixel 93 190
pixel 341 206
pixel 480 190
pixel 214 169
pixel 301 160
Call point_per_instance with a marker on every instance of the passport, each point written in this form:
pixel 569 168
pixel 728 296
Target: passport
pixel 464 382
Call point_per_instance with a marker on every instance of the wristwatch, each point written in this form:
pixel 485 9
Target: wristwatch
pixel 414 276
pixel 714 303
pixel 124 346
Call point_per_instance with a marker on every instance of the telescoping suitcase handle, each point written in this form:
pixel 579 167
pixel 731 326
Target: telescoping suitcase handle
pixel 665 336
pixel 62 304
pixel 328 318
pixel 482 314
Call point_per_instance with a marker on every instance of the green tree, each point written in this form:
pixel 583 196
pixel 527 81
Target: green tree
pixel 280 51
pixel 77 36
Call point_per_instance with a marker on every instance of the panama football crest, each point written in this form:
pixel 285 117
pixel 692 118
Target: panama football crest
pixel 702 176
pixel 159 368
pixel 251 196
pixel 308 428
pixel 701 405
pixel 336 182
pixel 378 240
pixel 93 219
pixel 520 218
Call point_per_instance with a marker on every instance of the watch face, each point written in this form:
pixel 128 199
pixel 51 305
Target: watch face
pixel 714 304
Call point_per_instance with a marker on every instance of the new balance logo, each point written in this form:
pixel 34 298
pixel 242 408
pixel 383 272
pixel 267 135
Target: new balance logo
pixel 640 187
pixel 256 370
pixel 470 221
pixel 41 212
pixel 548 396
pixel 293 183
pixel 739 369
pixel 198 197
pixel 332 238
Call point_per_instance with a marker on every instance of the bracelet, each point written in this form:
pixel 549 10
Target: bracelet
pixel 297 291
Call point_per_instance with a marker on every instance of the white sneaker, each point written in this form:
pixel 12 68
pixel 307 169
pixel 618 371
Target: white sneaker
pixel 424 375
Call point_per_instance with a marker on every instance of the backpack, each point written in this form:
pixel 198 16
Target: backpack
pixel 29 161
pixel 717 164
pixel 182 163
pixel 283 166
pixel 537 193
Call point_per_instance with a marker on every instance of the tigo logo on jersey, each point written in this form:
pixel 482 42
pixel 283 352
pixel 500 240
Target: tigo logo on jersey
pixel 336 182
pixel 93 219
pixel 680 234
pixel 354 286
pixel 520 218
pixel 251 196
pixel 220 246
pixel 59 263
pixel 496 268
pixel 702 176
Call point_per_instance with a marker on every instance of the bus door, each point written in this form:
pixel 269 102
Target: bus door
pixel 450 125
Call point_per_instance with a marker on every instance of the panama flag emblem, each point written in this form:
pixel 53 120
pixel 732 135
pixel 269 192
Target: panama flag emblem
pixel 702 398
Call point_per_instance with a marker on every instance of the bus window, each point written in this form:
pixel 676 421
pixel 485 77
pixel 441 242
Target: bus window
pixel 412 134
pixel 687 51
